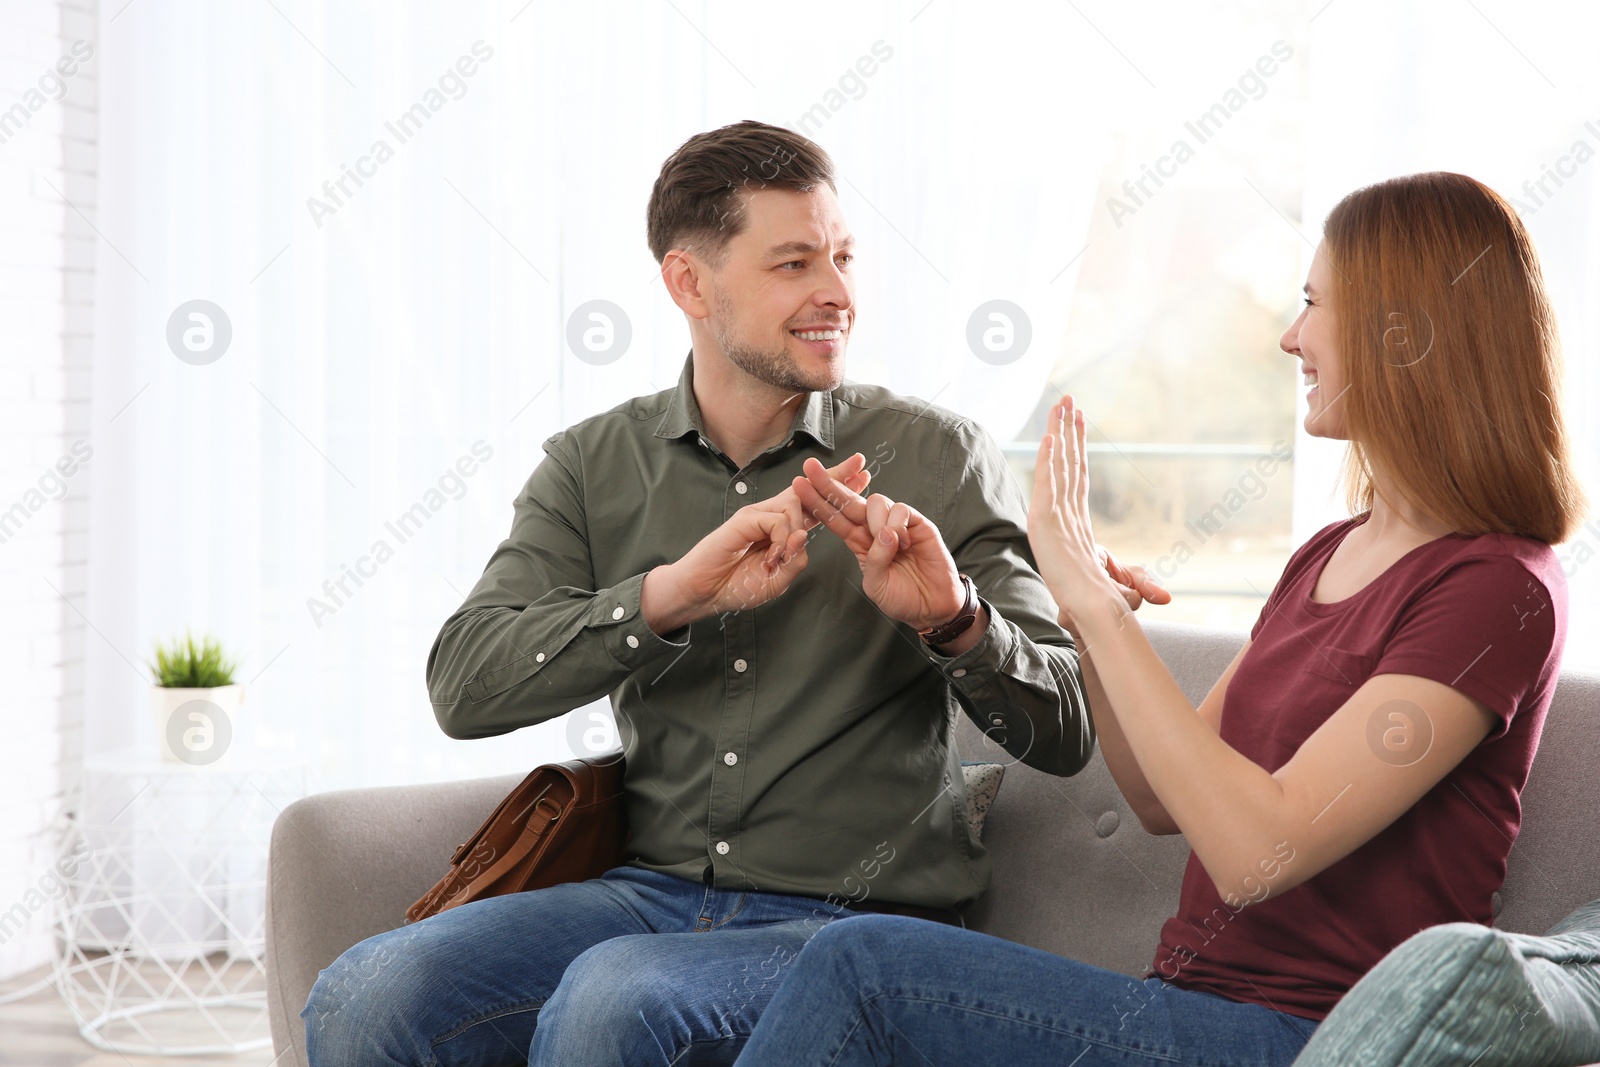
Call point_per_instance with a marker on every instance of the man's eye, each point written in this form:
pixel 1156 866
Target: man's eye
pixel 793 263
pixel 1307 301
pixel 847 259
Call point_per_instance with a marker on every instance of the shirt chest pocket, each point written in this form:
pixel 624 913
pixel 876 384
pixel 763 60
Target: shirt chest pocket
pixel 1331 676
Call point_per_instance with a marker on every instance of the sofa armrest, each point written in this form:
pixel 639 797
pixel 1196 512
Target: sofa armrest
pixel 344 866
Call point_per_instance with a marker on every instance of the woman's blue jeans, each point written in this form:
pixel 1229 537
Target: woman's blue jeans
pixel 885 990
pixel 633 968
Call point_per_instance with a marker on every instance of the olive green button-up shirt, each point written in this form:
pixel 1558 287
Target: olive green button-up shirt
pixel 804 746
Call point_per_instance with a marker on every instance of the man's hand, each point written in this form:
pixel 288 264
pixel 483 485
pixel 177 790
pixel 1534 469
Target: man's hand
pixel 752 558
pixel 906 569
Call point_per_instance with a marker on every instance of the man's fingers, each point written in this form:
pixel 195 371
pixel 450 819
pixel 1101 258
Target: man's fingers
pixel 806 517
pixel 793 552
pixel 877 513
pixel 778 536
pixel 899 513
pixel 840 496
pixel 899 520
pixel 885 546
pixel 847 469
pixel 780 577
pixel 820 510
pixel 816 507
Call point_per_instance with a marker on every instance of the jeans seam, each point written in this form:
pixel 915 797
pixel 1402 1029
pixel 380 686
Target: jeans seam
pixel 743 899
pixel 691 1044
pixel 1051 1027
pixel 861 1017
pixel 477 1020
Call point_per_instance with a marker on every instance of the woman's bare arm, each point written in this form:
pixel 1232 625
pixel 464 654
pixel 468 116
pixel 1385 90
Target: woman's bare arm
pixel 1114 747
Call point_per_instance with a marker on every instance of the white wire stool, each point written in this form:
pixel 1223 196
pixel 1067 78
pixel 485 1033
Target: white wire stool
pixel 160 937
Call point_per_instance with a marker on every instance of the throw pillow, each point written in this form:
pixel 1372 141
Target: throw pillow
pixel 1468 994
pixel 983 785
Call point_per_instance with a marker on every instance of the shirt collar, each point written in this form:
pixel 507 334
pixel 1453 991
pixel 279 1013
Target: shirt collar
pixel 814 418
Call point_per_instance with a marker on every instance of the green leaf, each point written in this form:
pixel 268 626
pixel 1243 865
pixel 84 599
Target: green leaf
pixel 185 665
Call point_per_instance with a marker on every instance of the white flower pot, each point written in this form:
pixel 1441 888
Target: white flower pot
pixel 200 734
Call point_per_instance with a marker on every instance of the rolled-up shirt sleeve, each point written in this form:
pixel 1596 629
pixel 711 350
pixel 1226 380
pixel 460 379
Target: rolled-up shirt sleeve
pixel 1021 683
pixel 535 639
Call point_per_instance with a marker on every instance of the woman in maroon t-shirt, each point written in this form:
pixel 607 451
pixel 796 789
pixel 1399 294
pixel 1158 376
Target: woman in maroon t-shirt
pixel 1353 776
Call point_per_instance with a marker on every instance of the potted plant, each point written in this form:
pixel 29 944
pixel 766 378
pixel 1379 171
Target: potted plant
pixel 190 674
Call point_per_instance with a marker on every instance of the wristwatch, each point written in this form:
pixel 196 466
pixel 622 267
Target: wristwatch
pixel 943 635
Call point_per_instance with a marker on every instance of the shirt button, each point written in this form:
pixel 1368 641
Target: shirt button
pixel 722 848
pixel 959 672
pixel 633 642
pixel 731 758
pixel 740 488
pixel 618 613
pixel 740 665
pixel 539 658
pixel 997 721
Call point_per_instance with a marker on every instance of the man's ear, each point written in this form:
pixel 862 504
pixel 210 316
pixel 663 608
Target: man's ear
pixel 688 283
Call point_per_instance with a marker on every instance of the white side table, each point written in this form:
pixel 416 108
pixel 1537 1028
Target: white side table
pixel 160 936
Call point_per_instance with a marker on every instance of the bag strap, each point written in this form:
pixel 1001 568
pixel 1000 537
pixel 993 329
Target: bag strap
pixel 545 813
pixel 517 798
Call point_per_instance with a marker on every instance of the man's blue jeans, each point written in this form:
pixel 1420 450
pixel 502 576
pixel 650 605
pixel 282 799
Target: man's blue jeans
pixel 882 990
pixel 631 968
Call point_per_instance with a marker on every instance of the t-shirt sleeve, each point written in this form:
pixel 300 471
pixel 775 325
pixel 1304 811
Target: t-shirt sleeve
pixel 1486 628
pixel 1269 607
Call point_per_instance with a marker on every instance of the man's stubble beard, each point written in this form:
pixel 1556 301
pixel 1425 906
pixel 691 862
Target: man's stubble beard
pixel 774 368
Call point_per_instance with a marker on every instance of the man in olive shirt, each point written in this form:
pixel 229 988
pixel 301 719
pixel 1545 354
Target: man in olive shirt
pixel 786 694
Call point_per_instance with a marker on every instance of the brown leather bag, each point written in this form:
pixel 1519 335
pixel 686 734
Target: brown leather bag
pixel 563 823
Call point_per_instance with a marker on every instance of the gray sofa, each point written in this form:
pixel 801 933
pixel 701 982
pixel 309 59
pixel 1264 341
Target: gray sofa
pixel 1074 873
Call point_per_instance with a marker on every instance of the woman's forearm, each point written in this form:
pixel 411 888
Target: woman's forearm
pixel 1222 802
pixel 1114 747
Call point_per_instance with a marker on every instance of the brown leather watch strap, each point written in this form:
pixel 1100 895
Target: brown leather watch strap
pixel 943 635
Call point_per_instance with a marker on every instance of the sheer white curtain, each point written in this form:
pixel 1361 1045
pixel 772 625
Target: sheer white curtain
pixel 398 206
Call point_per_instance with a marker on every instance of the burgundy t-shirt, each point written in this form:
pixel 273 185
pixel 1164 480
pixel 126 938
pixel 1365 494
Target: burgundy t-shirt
pixel 1485 615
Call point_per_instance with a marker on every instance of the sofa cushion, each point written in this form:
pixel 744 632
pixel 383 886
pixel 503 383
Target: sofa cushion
pixel 1468 994
pixel 983 785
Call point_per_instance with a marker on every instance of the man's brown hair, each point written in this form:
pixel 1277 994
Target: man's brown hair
pixel 1451 358
pixel 697 202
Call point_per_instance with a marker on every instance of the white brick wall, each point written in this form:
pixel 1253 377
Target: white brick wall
pixel 46 291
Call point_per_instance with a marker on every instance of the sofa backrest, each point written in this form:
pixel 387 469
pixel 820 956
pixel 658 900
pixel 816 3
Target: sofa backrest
pixel 1075 873
pixel 1554 867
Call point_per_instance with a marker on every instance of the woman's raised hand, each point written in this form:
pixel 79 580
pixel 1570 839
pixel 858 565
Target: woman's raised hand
pixel 1078 572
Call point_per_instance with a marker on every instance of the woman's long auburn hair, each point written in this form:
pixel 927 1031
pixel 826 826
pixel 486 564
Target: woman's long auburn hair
pixel 1451 358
